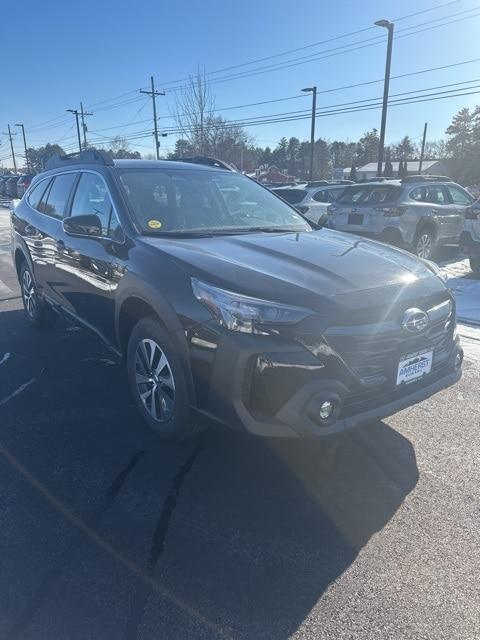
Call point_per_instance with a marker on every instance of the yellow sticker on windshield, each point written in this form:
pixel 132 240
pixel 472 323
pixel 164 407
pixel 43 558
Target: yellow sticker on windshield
pixel 154 224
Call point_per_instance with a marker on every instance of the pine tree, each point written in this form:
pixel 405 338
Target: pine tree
pixel 388 169
pixel 353 172
pixel 461 132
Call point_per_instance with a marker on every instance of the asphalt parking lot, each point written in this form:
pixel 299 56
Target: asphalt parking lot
pixel 108 533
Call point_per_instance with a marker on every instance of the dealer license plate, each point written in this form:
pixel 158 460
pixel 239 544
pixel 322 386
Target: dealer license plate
pixel 414 366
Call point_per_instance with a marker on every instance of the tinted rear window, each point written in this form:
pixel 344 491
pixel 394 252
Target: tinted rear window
pixel 292 196
pixel 370 194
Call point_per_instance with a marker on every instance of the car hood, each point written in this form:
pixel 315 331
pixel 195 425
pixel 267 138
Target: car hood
pixel 295 266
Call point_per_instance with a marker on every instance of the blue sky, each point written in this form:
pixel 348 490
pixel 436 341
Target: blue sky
pixel 95 51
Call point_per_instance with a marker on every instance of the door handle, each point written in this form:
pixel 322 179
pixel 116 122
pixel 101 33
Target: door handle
pixel 435 211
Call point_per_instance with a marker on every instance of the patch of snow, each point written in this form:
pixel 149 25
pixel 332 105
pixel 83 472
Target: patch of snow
pixel 466 289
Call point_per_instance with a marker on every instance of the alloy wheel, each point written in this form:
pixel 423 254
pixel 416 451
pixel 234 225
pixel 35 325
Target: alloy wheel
pixel 424 246
pixel 29 293
pixel 154 380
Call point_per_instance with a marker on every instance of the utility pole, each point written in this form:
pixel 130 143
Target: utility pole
pixel 75 111
pixel 24 146
pixel 422 153
pixel 11 147
pixel 390 26
pixel 313 91
pixel 84 126
pixel 153 95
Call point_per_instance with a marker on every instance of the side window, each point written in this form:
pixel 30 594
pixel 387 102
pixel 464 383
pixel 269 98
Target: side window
pixel 321 196
pixel 92 198
pixel 35 195
pixel 334 194
pixel 58 195
pixel 434 194
pixel 459 196
pixel 418 194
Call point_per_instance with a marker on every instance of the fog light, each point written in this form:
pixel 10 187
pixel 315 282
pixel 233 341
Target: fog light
pixel 326 410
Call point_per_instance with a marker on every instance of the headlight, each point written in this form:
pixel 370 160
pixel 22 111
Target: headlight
pixel 436 270
pixel 242 313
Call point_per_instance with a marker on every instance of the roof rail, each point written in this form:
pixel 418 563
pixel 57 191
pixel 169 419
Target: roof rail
pixel 426 178
pixel 96 156
pixel 209 162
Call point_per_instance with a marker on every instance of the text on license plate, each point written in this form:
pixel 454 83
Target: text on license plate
pixel 414 366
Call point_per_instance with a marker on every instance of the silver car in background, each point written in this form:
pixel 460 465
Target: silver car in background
pixel 470 238
pixel 418 212
pixel 313 202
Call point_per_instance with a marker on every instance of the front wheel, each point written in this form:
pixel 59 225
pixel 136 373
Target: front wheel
pixel 475 266
pixel 424 245
pixel 157 381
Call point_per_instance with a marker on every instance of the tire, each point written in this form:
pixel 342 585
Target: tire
pixel 39 312
pixel 158 381
pixel 475 266
pixel 424 245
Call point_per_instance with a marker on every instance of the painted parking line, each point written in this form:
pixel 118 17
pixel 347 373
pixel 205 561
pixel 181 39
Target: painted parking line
pixel 4 358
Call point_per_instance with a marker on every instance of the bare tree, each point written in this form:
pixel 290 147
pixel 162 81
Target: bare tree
pixel 195 108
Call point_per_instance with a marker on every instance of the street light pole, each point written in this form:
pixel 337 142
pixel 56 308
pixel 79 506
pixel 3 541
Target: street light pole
pixel 24 146
pixel 390 26
pixel 313 91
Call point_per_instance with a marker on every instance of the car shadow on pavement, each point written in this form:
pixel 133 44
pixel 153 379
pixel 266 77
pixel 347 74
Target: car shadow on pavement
pixel 251 538
pixel 262 528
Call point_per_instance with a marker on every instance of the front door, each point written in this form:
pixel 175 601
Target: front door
pixel 90 266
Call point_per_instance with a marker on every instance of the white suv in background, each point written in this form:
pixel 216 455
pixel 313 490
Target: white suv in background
pixel 313 202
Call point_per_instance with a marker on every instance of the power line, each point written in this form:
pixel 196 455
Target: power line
pixel 315 44
pixel 329 53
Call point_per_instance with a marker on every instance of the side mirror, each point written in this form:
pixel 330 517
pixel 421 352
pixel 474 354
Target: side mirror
pixel 88 225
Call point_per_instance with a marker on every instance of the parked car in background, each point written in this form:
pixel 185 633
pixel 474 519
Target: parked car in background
pixel 3 184
pixel 11 187
pixel 470 238
pixel 231 309
pixel 23 184
pixel 418 212
pixel 313 202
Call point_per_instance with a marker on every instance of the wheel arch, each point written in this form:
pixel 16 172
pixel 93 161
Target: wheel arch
pixel 135 305
pixel 426 223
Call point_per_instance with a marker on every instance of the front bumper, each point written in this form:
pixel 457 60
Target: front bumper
pixel 274 388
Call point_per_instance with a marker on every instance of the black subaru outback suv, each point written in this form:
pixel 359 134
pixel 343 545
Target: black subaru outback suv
pixel 226 304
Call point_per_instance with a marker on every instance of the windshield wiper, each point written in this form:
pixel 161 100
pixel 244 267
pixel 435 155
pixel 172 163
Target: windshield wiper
pixel 271 230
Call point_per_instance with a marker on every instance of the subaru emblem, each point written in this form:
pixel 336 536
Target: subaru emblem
pixel 415 320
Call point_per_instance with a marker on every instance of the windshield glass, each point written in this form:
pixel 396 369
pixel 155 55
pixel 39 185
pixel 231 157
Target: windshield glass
pixel 370 194
pixel 187 200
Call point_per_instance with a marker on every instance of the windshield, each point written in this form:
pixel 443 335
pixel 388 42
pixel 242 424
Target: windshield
pixel 182 201
pixel 370 194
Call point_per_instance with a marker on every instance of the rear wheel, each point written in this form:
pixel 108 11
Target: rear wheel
pixel 424 245
pixel 158 382
pixel 40 314
pixel 475 266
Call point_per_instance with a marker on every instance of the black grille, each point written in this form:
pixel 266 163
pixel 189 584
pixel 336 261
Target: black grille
pixel 373 355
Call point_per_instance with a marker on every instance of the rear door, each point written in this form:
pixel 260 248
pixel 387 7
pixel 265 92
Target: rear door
pixel 41 227
pixel 442 210
pixel 461 199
